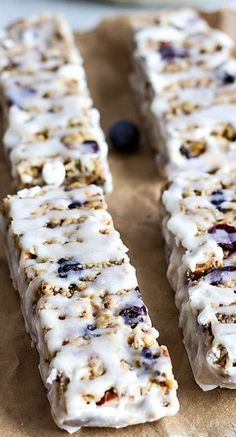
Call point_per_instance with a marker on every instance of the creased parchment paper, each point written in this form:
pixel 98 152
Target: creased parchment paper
pixel 24 409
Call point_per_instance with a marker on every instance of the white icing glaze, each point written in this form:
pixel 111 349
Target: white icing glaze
pixel 54 173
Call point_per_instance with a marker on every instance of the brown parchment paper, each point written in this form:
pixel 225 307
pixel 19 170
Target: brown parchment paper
pixel 24 409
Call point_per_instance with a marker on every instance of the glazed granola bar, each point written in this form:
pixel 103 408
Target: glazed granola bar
pixel 184 82
pixel 52 133
pixel 199 227
pixel 99 356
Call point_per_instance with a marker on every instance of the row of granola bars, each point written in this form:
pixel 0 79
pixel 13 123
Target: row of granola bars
pixel 185 83
pixel 99 356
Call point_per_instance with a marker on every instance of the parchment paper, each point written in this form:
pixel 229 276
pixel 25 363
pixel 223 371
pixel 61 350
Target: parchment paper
pixel 24 409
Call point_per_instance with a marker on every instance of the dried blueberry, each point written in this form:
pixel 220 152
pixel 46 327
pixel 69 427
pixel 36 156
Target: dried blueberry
pixel 170 53
pixel 76 204
pixel 68 265
pixel 91 327
pixel 225 235
pixel 30 90
pixel 91 146
pixel 185 152
pixel 228 79
pixel 147 353
pixel 148 357
pixel 217 198
pixel 217 276
pixel 91 332
pixel 134 315
pixel 124 136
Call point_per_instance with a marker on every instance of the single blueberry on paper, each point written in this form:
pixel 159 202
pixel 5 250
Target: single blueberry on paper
pixel 124 136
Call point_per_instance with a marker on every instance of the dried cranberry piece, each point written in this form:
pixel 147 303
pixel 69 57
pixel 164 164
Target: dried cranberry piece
pixel 109 395
pixel 225 235
pixel 66 266
pixel 134 315
pixel 217 276
pixel 230 229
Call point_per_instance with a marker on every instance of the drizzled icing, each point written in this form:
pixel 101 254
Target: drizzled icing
pixel 49 112
pixel 99 356
pixel 206 234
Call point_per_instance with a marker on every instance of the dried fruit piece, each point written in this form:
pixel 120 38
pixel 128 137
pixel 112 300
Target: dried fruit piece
pixel 148 354
pixel 225 235
pixel 134 315
pixel 217 198
pixel 109 395
pixel 228 79
pixel 76 204
pixel 91 146
pixel 220 275
pixel 68 265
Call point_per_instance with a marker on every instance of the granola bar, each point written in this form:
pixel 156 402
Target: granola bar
pixel 52 132
pixel 185 83
pixel 199 227
pixel 99 356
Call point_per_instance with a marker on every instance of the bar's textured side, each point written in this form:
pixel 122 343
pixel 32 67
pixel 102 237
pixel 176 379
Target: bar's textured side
pixel 99 355
pixel 185 83
pixel 200 232
pixel 52 130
